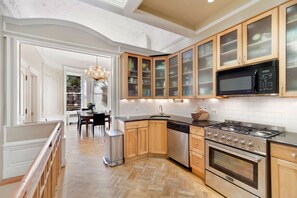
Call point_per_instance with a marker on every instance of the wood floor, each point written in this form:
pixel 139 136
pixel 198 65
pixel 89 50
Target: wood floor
pixel 86 176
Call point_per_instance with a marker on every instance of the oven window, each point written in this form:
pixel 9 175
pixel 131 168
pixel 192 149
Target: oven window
pixel 234 166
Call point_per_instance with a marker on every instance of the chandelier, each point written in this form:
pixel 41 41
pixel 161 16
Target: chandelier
pixel 96 72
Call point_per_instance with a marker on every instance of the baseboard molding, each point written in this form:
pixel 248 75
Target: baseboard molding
pixel 18 156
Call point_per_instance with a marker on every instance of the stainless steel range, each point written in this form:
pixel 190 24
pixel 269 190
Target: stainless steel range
pixel 236 164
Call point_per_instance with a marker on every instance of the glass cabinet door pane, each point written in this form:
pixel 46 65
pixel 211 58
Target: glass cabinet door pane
pixel 132 76
pixel 259 41
pixel 187 73
pixel 173 76
pixel 146 78
pixel 228 48
pixel 205 69
pixel 160 78
pixel 291 48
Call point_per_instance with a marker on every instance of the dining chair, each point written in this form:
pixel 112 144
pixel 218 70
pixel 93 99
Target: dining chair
pixel 78 116
pixel 98 120
pixel 81 122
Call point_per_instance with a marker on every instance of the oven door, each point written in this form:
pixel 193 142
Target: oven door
pixel 241 168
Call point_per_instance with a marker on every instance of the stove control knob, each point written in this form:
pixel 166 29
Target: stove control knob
pixel 229 139
pixel 235 141
pixel 242 142
pixel 208 134
pixel 250 145
pixel 223 138
pixel 216 136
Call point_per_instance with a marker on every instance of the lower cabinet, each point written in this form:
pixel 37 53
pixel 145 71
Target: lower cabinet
pixel 135 138
pixel 197 160
pixel 157 137
pixel 283 171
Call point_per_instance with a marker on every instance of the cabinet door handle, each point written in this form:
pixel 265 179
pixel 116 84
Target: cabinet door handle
pixel 282 90
pixel 239 61
pixel 293 155
pixel 243 60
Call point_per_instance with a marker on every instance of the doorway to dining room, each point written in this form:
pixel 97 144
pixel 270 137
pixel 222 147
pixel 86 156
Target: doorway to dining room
pixel 53 84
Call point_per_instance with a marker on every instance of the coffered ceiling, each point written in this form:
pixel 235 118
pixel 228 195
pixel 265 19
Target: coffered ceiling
pixel 190 13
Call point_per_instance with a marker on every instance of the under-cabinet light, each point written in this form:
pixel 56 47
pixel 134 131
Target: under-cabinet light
pixel 210 1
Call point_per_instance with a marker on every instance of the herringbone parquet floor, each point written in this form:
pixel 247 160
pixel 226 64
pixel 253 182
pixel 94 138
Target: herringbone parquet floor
pixel 86 176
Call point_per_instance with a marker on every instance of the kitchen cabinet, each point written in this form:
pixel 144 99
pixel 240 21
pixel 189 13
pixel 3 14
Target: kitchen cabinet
pixel 255 40
pixel 197 151
pixel 187 72
pixel 206 68
pixel 160 77
pixel 288 48
pixel 135 138
pixel 146 77
pixel 136 79
pixel 283 171
pixel 174 77
pixel 157 137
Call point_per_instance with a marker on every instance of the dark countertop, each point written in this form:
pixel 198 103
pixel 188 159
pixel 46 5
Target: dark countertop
pixel 287 138
pixel 172 118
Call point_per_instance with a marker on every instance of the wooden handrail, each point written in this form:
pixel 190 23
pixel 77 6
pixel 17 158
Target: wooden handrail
pixel 37 174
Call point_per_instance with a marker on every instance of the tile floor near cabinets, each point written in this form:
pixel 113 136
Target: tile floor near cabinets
pixel 86 176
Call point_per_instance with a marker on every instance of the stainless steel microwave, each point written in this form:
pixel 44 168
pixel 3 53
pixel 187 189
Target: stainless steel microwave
pixel 261 79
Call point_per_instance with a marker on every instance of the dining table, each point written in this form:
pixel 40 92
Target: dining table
pixel 87 116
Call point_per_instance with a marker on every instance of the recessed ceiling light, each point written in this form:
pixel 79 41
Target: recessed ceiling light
pixel 210 1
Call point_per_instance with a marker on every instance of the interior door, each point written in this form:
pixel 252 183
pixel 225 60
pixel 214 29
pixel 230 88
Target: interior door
pixel 23 110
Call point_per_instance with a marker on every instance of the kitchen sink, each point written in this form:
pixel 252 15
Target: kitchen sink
pixel 160 116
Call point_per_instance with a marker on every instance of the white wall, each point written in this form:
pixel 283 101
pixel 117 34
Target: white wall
pixel 1 94
pixel 264 110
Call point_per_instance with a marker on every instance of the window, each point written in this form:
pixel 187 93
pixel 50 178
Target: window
pixel 73 90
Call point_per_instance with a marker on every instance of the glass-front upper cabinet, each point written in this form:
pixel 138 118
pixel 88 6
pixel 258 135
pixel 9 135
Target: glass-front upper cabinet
pixel 130 76
pixel 187 72
pixel 146 77
pixel 288 49
pixel 229 48
pixel 173 70
pixel 260 37
pixel 160 73
pixel 206 68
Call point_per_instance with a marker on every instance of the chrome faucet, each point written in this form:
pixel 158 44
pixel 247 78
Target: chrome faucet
pixel 161 110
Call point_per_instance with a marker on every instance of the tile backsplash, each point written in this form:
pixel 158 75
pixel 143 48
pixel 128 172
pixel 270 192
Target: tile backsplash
pixel 264 110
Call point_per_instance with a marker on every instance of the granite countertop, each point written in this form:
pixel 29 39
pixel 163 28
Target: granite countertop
pixel 287 138
pixel 171 118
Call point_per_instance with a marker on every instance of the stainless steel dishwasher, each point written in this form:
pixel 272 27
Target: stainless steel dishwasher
pixel 178 142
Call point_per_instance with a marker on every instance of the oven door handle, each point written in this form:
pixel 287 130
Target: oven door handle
pixel 253 159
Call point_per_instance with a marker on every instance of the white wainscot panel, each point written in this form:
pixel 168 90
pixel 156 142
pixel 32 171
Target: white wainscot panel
pixel 18 156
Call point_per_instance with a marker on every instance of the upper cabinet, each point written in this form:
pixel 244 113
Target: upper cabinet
pixel 253 41
pixel 146 77
pixel 160 77
pixel 130 76
pixel 260 37
pixel 174 77
pixel 206 68
pixel 187 72
pixel 288 49
pixel 229 48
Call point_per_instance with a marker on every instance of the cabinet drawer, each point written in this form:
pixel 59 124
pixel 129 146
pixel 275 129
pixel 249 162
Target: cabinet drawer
pixel 197 144
pixel 197 162
pixel 138 124
pixel 284 152
pixel 197 130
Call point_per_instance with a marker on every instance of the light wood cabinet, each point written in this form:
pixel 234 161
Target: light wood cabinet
pixel 287 51
pixel 255 40
pixel 158 137
pixel 187 72
pixel 174 76
pixel 206 68
pixel 136 79
pixel 197 151
pixel 283 171
pixel 135 138
pixel 160 77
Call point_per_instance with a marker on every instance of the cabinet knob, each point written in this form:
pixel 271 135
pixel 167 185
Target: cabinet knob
pixel 293 155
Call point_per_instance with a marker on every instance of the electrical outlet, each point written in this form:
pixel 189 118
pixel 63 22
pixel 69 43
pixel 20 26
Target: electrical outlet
pixel 136 109
pixel 214 111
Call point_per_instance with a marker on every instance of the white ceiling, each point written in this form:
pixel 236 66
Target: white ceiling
pixel 60 58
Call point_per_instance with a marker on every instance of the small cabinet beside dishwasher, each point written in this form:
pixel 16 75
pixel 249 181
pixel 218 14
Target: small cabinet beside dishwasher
pixel 197 151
